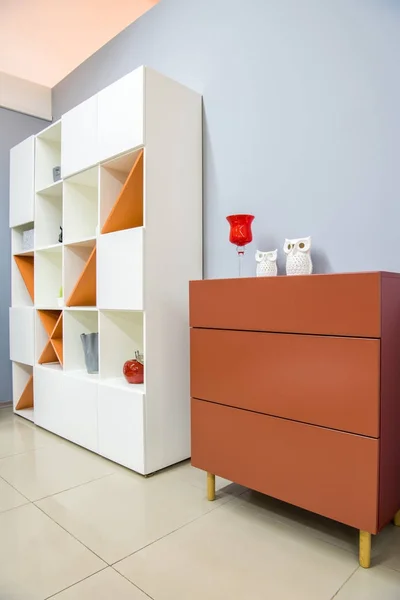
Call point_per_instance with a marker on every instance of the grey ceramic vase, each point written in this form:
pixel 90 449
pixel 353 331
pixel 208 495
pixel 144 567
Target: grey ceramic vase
pixel 90 343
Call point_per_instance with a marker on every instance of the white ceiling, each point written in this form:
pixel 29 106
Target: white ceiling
pixel 44 40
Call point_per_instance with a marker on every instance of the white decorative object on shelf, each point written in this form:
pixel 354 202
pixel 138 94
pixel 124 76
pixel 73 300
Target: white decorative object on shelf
pixel 298 256
pixel 27 240
pixel 131 174
pixel 266 263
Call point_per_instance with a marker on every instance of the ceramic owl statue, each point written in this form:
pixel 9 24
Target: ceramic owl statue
pixel 266 263
pixel 298 256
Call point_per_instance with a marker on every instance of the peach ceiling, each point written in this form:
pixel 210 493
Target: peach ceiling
pixel 44 40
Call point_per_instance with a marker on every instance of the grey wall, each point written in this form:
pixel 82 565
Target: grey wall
pixel 301 118
pixel 14 128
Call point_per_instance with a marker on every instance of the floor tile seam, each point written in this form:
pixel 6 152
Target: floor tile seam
pixel 16 490
pixel 74 537
pixel 74 487
pixel 132 583
pixel 7 510
pixel 345 582
pixel 168 534
pixel 76 583
pixel 27 451
pixel 19 453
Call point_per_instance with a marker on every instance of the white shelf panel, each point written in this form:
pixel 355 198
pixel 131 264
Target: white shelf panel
pixel 48 276
pixel 121 334
pixel 67 406
pixel 22 331
pixel 121 426
pixel 22 177
pixel 121 115
pixel 56 247
pixel 54 190
pixel 26 413
pixel 120 270
pixel 121 383
pixel 76 323
pixel 54 367
pixel 84 375
pixel 48 216
pixel 48 155
pixel 79 144
pixel 81 206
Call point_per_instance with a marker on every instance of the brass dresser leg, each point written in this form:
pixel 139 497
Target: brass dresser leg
pixel 210 486
pixel 396 519
pixel 365 549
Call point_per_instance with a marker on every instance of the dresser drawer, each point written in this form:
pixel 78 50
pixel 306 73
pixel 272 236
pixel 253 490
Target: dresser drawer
pixel 327 381
pixel 328 472
pixel 344 305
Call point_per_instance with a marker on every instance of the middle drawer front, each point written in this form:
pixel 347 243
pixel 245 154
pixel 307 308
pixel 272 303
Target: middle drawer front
pixel 329 381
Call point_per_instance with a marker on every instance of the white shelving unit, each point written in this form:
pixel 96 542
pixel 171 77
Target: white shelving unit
pixel 130 207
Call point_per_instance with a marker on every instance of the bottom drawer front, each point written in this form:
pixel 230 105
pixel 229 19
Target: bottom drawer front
pixel 328 472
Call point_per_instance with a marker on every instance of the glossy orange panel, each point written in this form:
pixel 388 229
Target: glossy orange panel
pixel 344 305
pixel 328 472
pixel 329 381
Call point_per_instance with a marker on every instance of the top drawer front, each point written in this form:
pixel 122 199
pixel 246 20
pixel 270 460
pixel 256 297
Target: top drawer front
pixel 342 305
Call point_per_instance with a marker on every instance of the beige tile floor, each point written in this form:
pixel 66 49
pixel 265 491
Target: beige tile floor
pixel 74 526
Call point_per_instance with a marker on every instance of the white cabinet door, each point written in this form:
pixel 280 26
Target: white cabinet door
pixel 120 270
pixel 22 335
pixel 66 405
pixel 121 426
pixel 79 137
pixel 121 115
pixel 22 182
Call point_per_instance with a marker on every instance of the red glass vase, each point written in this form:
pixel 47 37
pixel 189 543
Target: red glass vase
pixel 240 234
pixel 133 371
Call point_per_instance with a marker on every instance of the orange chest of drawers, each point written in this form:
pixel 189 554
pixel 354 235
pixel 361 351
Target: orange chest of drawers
pixel 295 385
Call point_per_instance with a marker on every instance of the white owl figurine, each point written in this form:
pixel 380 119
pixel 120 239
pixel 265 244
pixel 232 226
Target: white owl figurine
pixel 266 263
pixel 298 256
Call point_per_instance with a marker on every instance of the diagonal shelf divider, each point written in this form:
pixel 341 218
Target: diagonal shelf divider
pixel 26 398
pixel 25 266
pixel 56 339
pixel 84 292
pixel 52 321
pixel 127 211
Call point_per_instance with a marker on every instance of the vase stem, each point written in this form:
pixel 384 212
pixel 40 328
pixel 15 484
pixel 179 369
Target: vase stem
pixel 240 253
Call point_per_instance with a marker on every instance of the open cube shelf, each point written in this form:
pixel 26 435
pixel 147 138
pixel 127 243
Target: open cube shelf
pixel 48 216
pixel 121 193
pixel 17 239
pixel 76 323
pixel 81 212
pixel 22 376
pixel 22 280
pixel 121 334
pixel 48 277
pixel 80 287
pixel 48 155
